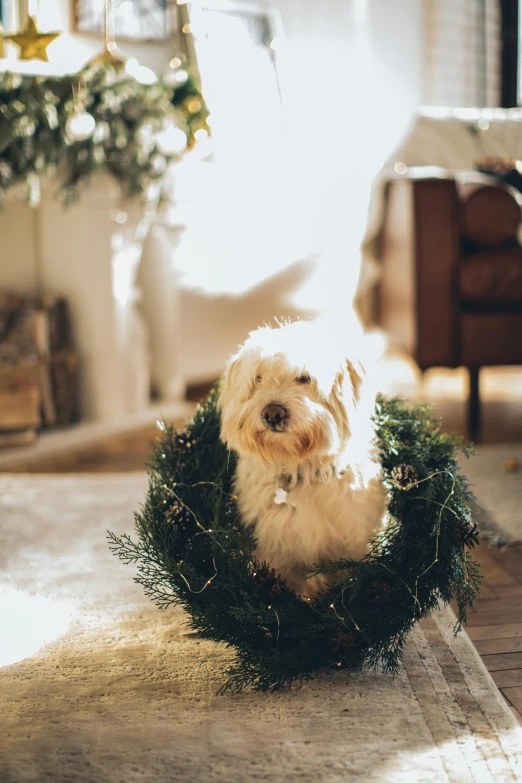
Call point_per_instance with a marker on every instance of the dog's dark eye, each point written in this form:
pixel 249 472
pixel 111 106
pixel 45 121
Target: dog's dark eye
pixel 303 379
pixel 259 378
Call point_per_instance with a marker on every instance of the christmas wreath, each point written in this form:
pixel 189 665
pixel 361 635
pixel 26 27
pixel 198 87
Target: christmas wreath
pixel 193 551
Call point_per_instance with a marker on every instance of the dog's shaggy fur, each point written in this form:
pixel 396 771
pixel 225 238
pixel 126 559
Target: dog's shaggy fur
pixel 298 413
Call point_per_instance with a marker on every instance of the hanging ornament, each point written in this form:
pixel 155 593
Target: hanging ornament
pixel 176 74
pixel 110 55
pixel 141 73
pixel 80 125
pixel 2 27
pixel 171 140
pixel 33 43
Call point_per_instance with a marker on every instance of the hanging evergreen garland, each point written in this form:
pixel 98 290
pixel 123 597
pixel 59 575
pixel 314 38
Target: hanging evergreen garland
pixel 193 551
pixel 126 117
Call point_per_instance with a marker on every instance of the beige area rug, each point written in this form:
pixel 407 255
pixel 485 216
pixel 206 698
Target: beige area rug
pixel 499 492
pixel 117 693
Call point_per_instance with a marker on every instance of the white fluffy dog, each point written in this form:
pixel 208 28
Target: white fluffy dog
pixel 297 412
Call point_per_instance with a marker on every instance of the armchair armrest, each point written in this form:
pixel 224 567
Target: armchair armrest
pixel 417 297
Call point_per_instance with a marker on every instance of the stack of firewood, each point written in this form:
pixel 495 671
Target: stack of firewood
pixel 37 367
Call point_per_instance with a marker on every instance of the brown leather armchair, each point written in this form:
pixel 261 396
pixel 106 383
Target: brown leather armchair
pixel 451 287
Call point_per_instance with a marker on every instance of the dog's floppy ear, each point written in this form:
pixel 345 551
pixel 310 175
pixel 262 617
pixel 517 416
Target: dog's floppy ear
pixel 345 394
pixel 229 377
pixel 356 374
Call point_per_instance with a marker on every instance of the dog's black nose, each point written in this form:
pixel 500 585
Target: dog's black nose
pixel 274 414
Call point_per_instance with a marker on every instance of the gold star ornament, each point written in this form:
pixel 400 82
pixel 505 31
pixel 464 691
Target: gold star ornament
pixel 33 44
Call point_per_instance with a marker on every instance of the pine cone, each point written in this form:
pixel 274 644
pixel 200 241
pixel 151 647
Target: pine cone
pixel 403 475
pixel 268 583
pixel 184 441
pixel 378 593
pixel 341 642
pixel 467 533
pixel 180 519
pixel 178 515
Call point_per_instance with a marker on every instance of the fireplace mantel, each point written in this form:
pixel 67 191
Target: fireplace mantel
pixel 89 253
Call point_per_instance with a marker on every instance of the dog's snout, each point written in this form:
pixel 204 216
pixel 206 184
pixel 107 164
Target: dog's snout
pixel 274 415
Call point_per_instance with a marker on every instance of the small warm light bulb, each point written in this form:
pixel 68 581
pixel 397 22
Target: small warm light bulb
pixel 201 134
pixel 400 167
pixel 175 62
pixel 187 29
pixel 194 105
pixel 483 124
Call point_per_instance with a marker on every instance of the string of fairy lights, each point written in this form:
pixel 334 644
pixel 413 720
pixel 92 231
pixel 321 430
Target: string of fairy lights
pixel 364 617
pixel 397 484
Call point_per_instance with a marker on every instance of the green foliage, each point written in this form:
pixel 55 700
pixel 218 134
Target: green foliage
pixel 193 551
pixel 33 116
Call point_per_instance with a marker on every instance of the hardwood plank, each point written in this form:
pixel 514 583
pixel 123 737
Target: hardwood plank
pixel 514 697
pixel 510 560
pixel 508 678
pixel 490 617
pixel 494 572
pixel 497 646
pixel 500 605
pixel 502 631
pixel 502 661
pixel 506 591
pixel 487 592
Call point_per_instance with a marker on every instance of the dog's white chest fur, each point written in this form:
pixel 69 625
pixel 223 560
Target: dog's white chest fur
pixel 311 516
pixel 299 412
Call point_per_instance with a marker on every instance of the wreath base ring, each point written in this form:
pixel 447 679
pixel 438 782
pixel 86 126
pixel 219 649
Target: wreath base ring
pixel 193 551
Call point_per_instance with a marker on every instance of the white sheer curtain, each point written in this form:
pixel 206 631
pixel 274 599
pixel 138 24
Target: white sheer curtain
pixel 454 52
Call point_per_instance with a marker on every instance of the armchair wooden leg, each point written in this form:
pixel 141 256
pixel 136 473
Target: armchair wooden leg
pixel 474 403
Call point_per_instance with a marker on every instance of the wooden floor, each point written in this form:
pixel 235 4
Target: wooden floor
pixel 496 626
